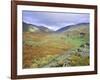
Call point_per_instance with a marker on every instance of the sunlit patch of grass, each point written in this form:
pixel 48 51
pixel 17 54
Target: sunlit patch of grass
pixel 42 61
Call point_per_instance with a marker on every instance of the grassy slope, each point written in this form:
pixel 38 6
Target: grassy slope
pixel 40 49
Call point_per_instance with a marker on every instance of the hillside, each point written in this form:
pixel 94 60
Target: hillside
pixel 65 47
pixel 34 28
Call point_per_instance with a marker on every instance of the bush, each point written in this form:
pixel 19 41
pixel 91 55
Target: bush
pixel 77 60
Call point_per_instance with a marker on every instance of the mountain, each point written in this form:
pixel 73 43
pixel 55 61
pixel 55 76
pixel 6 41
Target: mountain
pixel 34 28
pixel 75 30
pixel 73 27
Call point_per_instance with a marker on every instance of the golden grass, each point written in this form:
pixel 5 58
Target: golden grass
pixel 41 46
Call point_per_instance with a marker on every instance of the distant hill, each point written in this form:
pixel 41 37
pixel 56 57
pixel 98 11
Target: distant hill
pixel 75 30
pixel 34 28
pixel 69 28
pixel 82 28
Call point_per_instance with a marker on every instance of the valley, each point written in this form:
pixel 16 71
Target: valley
pixel 65 47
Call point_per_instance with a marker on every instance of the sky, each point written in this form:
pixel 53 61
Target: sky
pixel 54 20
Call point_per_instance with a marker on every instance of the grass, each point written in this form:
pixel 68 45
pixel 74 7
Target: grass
pixel 78 60
pixel 40 49
pixel 43 61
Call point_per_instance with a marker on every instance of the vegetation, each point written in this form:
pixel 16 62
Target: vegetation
pixel 76 60
pixel 42 49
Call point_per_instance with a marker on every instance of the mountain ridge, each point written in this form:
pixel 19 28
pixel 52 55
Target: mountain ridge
pixel 71 26
pixel 34 28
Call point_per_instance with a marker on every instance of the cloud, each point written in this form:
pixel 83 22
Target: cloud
pixel 54 20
